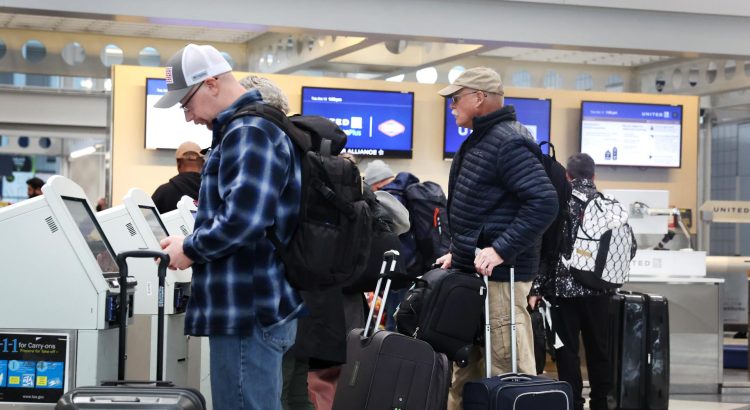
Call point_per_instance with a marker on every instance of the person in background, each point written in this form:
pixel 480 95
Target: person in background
pixel 295 365
pixel 251 181
pixel 101 204
pixel 578 311
pixel 34 187
pixel 187 181
pixel 380 177
pixel 500 203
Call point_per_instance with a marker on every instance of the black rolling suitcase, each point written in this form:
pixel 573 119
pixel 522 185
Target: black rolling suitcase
pixel 444 309
pixel 387 370
pixel 514 391
pixel 639 348
pixel 124 394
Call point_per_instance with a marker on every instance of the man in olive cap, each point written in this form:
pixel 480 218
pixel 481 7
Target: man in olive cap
pixel 501 203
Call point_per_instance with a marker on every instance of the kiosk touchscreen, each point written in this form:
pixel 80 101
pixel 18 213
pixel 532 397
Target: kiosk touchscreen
pixel 181 220
pixel 59 297
pixel 136 224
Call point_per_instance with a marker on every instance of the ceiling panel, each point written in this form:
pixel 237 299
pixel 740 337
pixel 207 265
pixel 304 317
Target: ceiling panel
pixel 574 56
pixel 415 53
pixel 126 28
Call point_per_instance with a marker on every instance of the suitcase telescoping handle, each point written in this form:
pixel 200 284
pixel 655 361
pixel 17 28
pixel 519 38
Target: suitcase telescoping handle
pixel 162 273
pixel 389 258
pixel 487 333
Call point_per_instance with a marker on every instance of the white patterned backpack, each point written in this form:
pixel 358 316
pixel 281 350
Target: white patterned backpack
pixel 604 244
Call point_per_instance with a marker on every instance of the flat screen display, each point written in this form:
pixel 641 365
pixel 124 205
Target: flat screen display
pixel 166 128
pixel 154 222
pixel 635 135
pixel 377 123
pixel 533 113
pixel 93 235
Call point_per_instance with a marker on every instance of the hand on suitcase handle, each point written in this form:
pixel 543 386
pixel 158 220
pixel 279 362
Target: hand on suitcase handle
pixel 163 259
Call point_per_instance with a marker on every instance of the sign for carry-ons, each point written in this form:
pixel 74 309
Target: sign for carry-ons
pixel 726 211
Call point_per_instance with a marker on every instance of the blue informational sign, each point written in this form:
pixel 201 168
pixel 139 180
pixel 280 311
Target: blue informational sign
pixel 3 373
pixel 21 373
pixel 533 113
pixel 49 375
pixel 32 367
pixel 377 123
pixel 635 135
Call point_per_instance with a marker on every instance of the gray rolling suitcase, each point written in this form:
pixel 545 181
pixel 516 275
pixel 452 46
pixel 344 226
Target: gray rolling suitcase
pixel 513 391
pixel 136 395
pixel 387 370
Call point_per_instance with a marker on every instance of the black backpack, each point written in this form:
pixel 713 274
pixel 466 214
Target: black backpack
pixel 383 239
pixel 429 221
pixel 553 238
pixel 331 244
pixel 444 308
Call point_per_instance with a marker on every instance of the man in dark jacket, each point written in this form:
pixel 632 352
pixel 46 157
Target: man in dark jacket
pixel 578 310
pixel 500 202
pixel 186 182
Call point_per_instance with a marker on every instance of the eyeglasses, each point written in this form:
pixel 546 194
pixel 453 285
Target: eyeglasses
pixel 184 106
pixel 455 98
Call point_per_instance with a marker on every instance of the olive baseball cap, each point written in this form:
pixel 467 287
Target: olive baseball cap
pixel 477 78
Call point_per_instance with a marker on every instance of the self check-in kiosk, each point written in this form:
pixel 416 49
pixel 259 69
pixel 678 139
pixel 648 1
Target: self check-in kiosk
pixel 136 224
pixel 59 297
pixel 181 220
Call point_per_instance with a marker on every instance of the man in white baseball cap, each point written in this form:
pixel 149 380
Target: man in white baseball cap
pixel 251 182
pixel 187 70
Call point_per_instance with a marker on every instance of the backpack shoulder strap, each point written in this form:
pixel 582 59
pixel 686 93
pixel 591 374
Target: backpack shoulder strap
pixel 276 116
pixel 551 149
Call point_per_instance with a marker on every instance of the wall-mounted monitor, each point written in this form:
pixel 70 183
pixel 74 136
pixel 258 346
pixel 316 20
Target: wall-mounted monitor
pixel 634 135
pixel 166 128
pixel 533 113
pixel 377 123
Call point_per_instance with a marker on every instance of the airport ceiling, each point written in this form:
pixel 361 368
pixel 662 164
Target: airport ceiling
pixel 378 56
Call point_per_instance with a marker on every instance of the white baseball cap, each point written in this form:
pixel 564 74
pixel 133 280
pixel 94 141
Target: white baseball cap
pixel 189 67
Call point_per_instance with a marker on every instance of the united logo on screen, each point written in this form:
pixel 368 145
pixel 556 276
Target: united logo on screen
pixel 391 128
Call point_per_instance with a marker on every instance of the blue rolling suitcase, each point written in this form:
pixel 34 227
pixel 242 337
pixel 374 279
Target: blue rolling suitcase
pixel 514 391
pixel 136 395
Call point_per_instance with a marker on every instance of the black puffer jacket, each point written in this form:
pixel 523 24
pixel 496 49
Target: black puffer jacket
pixel 499 196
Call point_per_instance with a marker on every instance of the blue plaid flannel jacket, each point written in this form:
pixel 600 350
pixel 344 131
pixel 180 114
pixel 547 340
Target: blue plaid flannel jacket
pixel 251 181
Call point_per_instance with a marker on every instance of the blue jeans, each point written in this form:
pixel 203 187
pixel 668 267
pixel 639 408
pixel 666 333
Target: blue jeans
pixel 246 370
pixel 395 297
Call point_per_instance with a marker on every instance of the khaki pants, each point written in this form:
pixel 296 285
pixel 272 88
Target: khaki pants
pixel 499 293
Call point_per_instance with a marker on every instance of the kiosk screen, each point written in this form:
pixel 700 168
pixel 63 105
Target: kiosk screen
pixel 92 232
pixel 154 222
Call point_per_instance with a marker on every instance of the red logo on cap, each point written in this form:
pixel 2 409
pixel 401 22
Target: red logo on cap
pixel 170 80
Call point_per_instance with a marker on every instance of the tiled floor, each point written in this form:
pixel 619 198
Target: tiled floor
pixel 736 395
